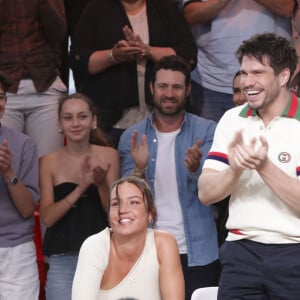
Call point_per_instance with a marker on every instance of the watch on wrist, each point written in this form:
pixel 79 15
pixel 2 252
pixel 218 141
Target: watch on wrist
pixel 13 181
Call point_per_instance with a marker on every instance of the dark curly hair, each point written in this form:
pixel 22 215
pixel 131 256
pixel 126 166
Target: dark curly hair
pixel 277 49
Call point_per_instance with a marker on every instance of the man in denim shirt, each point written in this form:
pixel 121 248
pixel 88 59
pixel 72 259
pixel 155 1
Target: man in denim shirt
pixel 169 148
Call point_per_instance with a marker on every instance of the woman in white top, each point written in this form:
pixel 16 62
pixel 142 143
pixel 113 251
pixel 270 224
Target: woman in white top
pixel 129 260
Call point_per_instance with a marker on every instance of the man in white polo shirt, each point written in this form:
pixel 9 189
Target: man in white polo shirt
pixel 255 157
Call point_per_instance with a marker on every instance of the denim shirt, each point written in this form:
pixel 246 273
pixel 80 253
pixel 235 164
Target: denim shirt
pixel 199 224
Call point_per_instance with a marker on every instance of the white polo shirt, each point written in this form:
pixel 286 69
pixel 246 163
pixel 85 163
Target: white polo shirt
pixel 255 212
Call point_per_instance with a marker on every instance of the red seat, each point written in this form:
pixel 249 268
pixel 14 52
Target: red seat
pixel 39 253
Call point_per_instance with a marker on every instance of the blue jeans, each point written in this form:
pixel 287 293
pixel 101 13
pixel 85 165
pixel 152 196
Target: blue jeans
pixel 60 276
pixel 209 104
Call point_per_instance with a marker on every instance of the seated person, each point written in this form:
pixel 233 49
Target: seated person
pixel 129 259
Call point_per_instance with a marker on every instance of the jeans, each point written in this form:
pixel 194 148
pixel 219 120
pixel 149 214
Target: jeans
pixel 209 104
pixel 60 276
pixel 19 279
pixel 36 114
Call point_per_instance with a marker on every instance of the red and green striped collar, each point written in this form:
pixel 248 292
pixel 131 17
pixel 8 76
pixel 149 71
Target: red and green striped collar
pixel 292 109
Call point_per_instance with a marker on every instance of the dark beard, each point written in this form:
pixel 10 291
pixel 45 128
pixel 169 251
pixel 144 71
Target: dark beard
pixel 175 112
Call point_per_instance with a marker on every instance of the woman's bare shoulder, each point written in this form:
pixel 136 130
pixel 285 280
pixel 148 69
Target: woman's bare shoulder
pixel 166 246
pixel 162 237
pixel 105 152
pixel 51 157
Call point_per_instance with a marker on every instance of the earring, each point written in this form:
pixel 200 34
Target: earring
pixel 60 130
pixel 94 127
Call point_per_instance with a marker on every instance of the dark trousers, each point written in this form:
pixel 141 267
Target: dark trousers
pixel 199 276
pixel 256 271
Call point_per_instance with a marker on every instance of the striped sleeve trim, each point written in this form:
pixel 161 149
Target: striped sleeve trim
pixel 219 156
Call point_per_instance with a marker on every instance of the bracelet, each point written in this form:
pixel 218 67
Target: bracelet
pixel 112 58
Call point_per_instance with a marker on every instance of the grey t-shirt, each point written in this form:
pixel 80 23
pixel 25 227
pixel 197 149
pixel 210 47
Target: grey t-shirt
pixel 14 229
pixel 218 40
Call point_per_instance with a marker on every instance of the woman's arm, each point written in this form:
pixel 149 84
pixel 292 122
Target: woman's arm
pixel 146 51
pixel 111 175
pixel 170 271
pixel 103 59
pixel 92 261
pixel 100 60
pixel 50 210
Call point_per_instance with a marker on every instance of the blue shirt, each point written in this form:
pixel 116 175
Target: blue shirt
pixel 199 224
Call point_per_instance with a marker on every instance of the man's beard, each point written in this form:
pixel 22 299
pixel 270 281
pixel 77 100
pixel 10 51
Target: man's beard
pixel 166 112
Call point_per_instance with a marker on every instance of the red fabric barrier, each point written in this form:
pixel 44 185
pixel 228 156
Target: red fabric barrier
pixel 39 254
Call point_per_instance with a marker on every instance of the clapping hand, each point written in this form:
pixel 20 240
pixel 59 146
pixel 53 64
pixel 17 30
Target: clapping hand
pixel 89 174
pixel 193 157
pixel 99 175
pixel 242 156
pixel 135 40
pixel 122 51
pixel 86 175
pixel 5 157
pixel 139 152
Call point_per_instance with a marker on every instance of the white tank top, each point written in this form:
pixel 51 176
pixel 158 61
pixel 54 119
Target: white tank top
pixel 142 281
